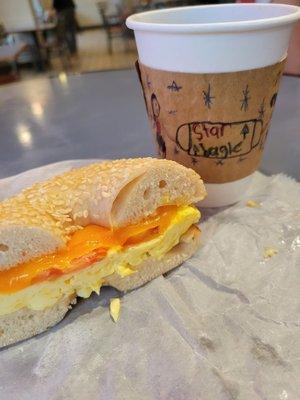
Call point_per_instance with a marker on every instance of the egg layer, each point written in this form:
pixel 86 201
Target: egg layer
pixel 86 246
pixel 82 267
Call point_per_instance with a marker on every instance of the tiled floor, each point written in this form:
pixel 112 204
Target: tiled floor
pixel 92 56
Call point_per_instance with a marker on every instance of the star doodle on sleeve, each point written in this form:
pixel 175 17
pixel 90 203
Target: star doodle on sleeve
pixel 245 100
pixel 208 97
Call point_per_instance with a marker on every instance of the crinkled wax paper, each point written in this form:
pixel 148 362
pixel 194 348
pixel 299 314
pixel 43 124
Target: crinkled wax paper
pixel 226 325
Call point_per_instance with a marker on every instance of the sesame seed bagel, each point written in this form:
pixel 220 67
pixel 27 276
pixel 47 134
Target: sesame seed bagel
pixel 113 194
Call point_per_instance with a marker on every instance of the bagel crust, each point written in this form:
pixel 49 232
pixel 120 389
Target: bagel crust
pixel 30 323
pixel 116 193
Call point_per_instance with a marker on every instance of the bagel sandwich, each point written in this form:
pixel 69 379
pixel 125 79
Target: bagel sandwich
pixel 119 223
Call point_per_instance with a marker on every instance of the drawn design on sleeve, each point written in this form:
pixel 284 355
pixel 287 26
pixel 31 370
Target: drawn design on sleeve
pixel 264 138
pixel 245 131
pixel 208 97
pixel 219 162
pixel 241 159
pixel 155 107
pixel 148 82
pixel 174 87
pixel 194 161
pixel 172 112
pixel 213 140
pixel 261 110
pixel 273 100
pixel 245 100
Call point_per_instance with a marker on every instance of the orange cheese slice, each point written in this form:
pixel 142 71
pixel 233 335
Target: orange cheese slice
pixel 86 246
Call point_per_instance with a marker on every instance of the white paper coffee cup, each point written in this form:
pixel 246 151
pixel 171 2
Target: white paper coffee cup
pixel 210 40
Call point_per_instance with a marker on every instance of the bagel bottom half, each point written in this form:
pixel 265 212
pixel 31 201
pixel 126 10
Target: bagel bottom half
pixel 25 323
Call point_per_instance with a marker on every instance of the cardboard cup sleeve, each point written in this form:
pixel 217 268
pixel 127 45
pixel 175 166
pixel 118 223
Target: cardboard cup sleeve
pixel 216 124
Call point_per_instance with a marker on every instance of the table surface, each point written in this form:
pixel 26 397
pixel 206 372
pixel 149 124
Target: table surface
pixel 102 115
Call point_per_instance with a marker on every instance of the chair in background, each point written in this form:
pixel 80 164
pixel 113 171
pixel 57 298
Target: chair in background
pixel 113 24
pixel 10 52
pixel 2 34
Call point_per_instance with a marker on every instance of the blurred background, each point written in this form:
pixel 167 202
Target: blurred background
pixel 53 37
pixel 57 37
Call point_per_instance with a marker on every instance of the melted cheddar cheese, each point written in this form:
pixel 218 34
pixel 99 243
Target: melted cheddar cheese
pixel 92 254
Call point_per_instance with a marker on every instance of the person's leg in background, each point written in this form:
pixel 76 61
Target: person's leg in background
pixel 71 28
pixel 66 28
pixel 61 28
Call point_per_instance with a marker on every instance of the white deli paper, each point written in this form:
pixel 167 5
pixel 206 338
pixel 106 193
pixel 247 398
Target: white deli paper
pixel 225 325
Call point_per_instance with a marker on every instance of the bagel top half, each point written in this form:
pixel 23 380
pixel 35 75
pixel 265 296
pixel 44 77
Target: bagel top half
pixel 41 219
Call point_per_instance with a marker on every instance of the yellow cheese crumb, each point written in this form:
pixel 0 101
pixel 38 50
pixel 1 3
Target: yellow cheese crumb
pixel 123 270
pixel 114 309
pixel 270 252
pixel 252 204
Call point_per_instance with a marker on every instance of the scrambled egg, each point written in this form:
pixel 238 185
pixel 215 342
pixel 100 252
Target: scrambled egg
pixel 123 261
pixel 269 252
pixel 252 204
pixel 114 309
